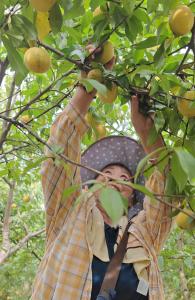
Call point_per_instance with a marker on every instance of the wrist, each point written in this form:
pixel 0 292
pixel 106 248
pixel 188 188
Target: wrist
pixel 150 147
pixel 82 100
pixel 82 92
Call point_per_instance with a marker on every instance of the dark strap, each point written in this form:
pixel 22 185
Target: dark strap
pixel 107 290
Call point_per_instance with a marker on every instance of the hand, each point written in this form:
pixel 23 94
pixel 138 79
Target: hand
pixel 109 65
pixel 143 126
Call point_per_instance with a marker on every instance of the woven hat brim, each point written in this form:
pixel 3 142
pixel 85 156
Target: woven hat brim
pixel 113 150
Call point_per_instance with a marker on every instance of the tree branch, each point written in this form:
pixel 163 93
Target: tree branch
pixel 78 63
pixel 5 126
pixel 4 134
pixel 183 280
pixel 20 244
pixel 3 66
pixel 6 222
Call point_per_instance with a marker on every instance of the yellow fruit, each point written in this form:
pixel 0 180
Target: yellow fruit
pixel 26 198
pixel 106 54
pixel 175 91
pixel 42 5
pixel 184 105
pixel 97 12
pixel 110 95
pixel 42 24
pixel 181 20
pixel 37 60
pixel 14 205
pixel 95 74
pixel 183 221
pixel 100 131
pixel 91 120
pixel 25 119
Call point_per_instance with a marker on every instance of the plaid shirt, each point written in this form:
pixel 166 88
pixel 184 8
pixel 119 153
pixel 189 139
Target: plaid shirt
pixel 65 270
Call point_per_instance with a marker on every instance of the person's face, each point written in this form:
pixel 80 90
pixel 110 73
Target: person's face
pixel 119 173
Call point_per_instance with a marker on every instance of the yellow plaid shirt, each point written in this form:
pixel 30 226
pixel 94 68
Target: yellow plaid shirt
pixel 65 270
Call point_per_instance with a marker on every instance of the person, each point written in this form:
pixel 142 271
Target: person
pixel 81 238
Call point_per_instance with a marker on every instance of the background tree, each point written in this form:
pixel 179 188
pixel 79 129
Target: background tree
pixel 43 56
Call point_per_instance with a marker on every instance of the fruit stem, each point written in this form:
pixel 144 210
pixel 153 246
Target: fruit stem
pixel 78 63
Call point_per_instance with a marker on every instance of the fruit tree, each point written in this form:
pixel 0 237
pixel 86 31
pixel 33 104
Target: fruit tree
pixel 44 55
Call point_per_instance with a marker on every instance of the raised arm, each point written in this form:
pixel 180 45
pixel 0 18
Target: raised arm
pixel 66 132
pixel 143 125
pixel 158 220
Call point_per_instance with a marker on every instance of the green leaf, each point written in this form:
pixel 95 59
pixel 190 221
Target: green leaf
pixel 164 83
pixel 129 5
pixel 33 164
pixel 154 87
pixel 101 89
pixel 187 161
pixel 70 190
pixel 178 172
pixel 192 203
pixel 174 121
pixel 170 185
pixel 15 59
pixel 73 11
pixel 79 53
pixel 112 202
pixel 55 18
pixel 143 70
pixel 75 34
pixel 21 24
pixel 99 27
pixel 152 5
pixel 159 120
pixel 132 27
pixel 143 189
pixel 96 186
pixel 142 15
pixel 150 42
pixel 1 10
pixel 144 161
pixel 153 135
pixel 3 172
pixel 159 57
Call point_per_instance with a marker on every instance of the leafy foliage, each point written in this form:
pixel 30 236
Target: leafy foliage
pixel 150 61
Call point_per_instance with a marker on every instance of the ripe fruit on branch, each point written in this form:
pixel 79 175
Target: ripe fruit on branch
pixel 184 105
pixel 100 131
pixel 184 221
pixel 106 54
pixel 95 74
pixel 37 60
pixel 91 120
pixel 42 5
pixel 97 12
pixel 25 119
pixel 181 20
pixel 100 11
pixel 110 95
pixel 26 198
pixel 42 24
pixel 14 205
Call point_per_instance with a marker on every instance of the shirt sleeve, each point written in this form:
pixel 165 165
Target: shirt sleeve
pixel 66 133
pixel 158 214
